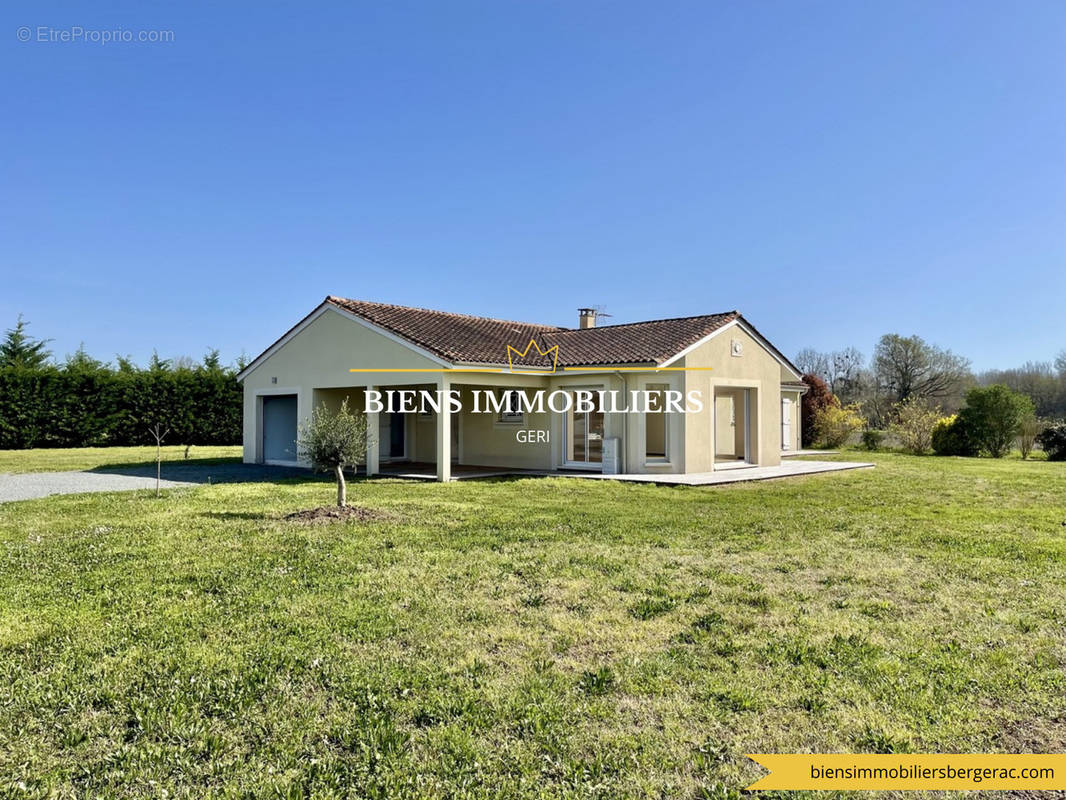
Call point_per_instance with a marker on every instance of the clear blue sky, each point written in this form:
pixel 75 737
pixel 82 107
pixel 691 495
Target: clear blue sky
pixel 834 170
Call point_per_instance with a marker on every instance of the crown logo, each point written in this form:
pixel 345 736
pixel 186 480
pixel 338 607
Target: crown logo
pixel 513 353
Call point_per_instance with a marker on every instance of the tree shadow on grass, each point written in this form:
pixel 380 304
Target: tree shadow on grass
pixel 227 515
pixel 120 468
pixel 208 470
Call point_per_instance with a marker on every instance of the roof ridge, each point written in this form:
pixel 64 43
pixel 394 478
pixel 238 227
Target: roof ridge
pixel 336 299
pixel 467 338
pixel 734 312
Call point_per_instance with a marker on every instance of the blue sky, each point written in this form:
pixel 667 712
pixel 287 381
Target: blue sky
pixel 834 170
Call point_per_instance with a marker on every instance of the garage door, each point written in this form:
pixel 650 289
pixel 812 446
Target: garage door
pixel 279 428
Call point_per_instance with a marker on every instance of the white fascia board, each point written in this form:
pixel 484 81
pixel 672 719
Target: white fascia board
pixel 739 323
pixel 609 369
pixel 295 329
pixel 392 336
pixel 318 312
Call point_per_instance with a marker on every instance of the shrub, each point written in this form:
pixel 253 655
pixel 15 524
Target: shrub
pixel 915 421
pixel 1053 442
pixel 332 441
pixel 993 415
pixel 816 398
pixel 835 423
pixel 872 438
pixel 951 437
pixel 1028 430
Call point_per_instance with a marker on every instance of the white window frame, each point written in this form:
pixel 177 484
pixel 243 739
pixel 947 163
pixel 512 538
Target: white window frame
pixel 786 423
pixel 508 416
pixel 566 419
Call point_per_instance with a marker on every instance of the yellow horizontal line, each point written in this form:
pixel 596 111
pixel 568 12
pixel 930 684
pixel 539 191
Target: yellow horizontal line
pixel 434 369
pixel 501 371
pixel 638 369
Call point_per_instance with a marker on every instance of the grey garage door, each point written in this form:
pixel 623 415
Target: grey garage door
pixel 279 427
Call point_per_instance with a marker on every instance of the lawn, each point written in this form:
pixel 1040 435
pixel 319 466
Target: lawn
pixel 527 638
pixel 83 458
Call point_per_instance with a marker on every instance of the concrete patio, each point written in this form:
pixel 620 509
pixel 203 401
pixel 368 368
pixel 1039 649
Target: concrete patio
pixel 785 470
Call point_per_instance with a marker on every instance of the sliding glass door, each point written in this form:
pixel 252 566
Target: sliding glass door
pixel 584 439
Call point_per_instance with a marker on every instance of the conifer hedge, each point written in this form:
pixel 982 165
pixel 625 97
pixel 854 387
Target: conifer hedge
pixel 95 406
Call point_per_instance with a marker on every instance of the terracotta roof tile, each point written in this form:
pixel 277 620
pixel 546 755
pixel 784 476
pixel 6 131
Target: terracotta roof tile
pixel 482 340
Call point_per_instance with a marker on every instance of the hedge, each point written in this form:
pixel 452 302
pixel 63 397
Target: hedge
pixel 55 407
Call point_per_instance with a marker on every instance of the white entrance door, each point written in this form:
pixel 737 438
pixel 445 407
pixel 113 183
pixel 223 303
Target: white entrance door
pixel 786 423
pixel 584 439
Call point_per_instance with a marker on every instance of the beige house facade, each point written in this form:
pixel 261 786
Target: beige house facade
pixel 744 412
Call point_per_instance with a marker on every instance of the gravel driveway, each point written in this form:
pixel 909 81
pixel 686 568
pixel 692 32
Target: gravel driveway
pixel 31 485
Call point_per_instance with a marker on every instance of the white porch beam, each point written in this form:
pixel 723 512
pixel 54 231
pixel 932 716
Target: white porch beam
pixel 373 447
pixel 444 432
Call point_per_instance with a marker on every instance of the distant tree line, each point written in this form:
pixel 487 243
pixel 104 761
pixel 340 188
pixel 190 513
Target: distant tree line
pixel 909 384
pixel 902 367
pixel 83 402
pixel 1043 382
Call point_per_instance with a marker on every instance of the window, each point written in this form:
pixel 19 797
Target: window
pixel 655 423
pixel 511 407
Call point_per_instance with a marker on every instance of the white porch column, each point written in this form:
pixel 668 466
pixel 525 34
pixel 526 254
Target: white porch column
pixel 444 432
pixel 373 449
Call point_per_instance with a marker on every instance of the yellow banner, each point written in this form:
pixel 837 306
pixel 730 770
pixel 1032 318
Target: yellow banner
pixel 959 771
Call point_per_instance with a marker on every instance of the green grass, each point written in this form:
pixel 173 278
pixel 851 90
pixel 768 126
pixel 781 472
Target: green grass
pixel 527 638
pixel 84 458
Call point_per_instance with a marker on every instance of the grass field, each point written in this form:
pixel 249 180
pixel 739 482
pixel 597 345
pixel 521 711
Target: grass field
pixel 527 638
pixel 82 458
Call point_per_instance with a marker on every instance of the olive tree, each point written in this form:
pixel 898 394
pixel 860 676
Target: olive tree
pixel 333 440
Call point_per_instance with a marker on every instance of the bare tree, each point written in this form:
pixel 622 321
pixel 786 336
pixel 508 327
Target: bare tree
pixel 159 437
pixel 812 362
pixel 847 366
pixel 908 366
pixel 842 370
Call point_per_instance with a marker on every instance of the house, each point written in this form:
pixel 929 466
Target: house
pixel 740 395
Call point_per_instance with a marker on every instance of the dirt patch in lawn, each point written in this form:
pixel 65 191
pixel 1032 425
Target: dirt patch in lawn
pixel 327 514
pixel 1041 735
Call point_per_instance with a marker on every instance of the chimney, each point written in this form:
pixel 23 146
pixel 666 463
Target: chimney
pixel 586 318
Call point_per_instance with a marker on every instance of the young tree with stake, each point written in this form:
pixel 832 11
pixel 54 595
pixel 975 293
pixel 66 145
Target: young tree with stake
pixel 159 435
pixel 332 441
